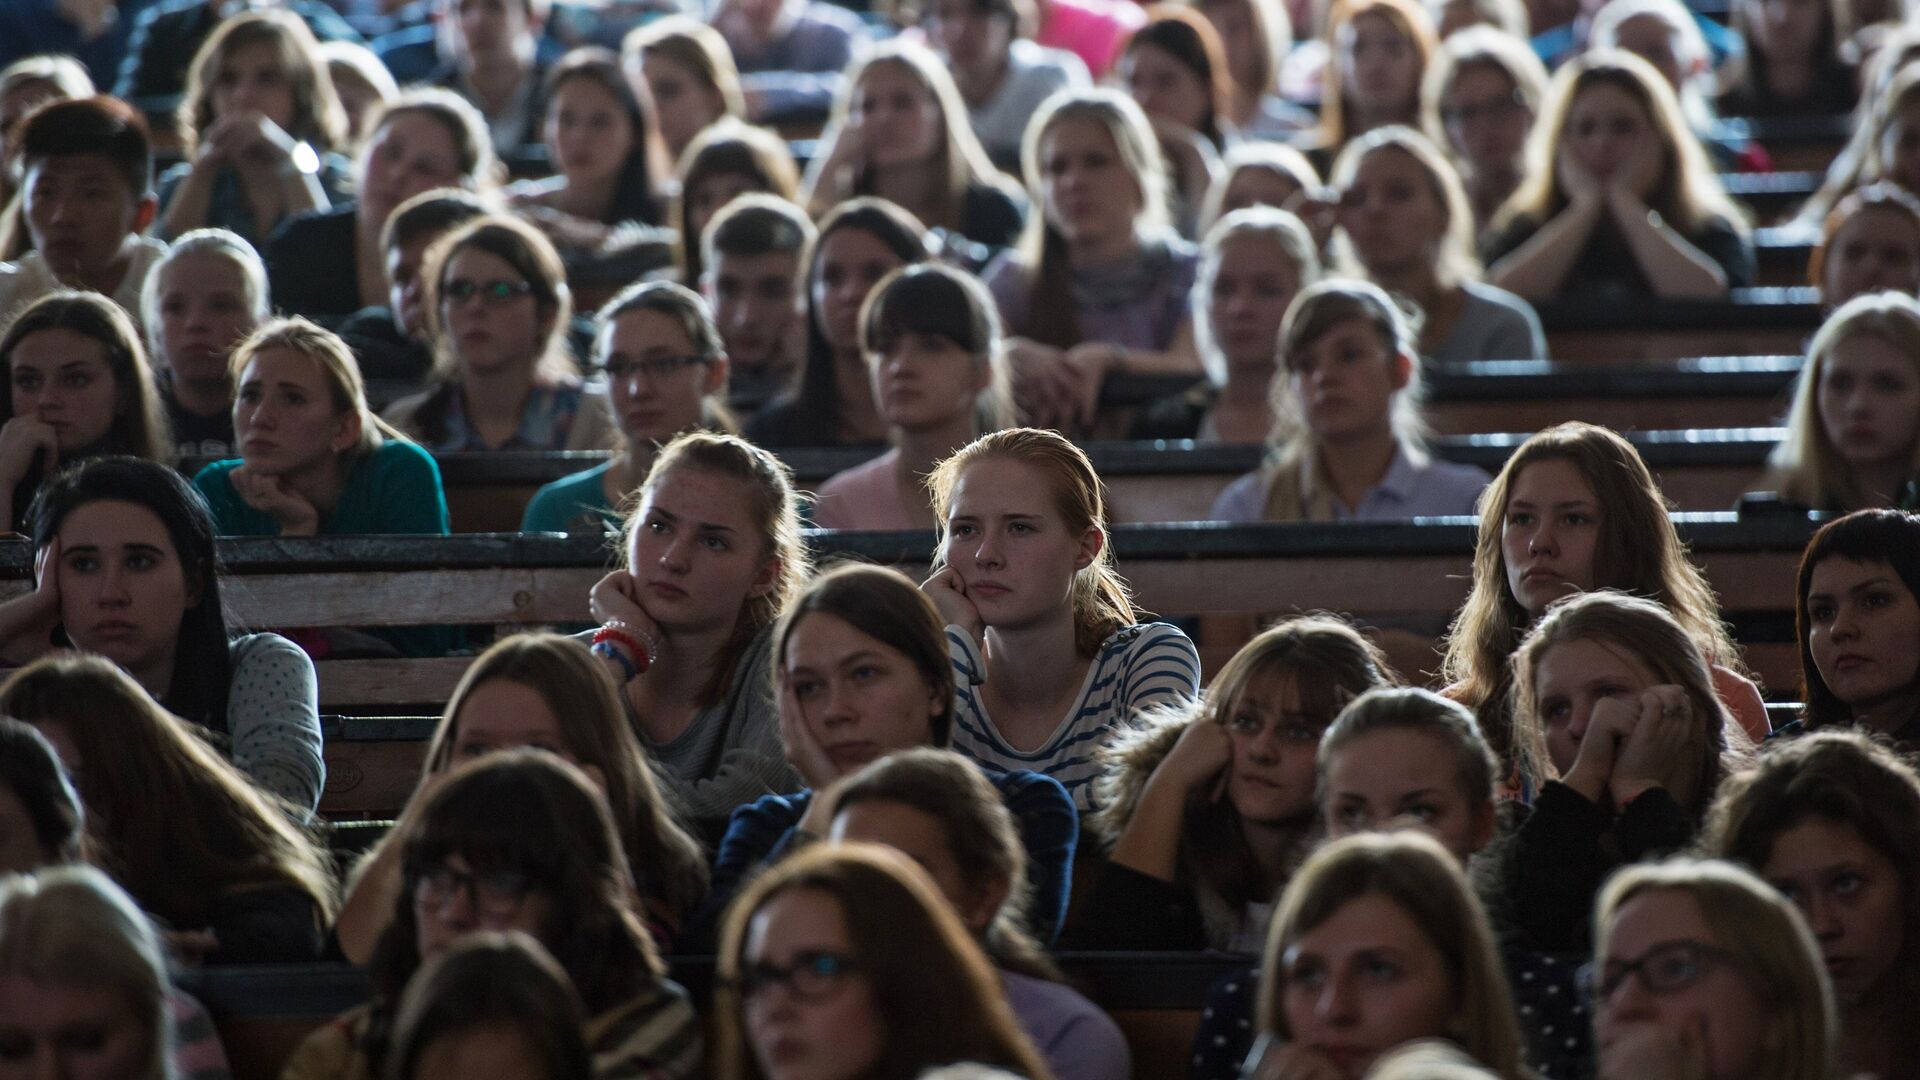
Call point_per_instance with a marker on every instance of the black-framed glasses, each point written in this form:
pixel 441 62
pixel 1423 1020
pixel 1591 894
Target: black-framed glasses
pixel 491 293
pixel 498 893
pixel 653 367
pixel 1665 969
pixel 812 976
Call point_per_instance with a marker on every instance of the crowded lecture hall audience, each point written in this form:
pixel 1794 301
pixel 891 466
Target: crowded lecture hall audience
pixel 1038 539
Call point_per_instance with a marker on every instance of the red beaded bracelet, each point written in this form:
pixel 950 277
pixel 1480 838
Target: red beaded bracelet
pixel 641 658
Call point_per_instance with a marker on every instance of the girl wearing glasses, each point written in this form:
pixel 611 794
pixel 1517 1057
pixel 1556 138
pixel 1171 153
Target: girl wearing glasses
pixel 1832 822
pixel 215 858
pixel 938 809
pixel 1379 942
pixel 1479 101
pixel 1701 970
pixel 931 339
pixel 1616 697
pixel 845 962
pixel 520 840
pixel 546 692
pixel 666 373
pixel 497 309
pixel 860 242
pixel 1209 804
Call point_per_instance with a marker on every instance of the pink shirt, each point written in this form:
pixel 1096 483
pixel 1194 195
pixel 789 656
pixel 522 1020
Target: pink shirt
pixel 863 497
pixel 1094 30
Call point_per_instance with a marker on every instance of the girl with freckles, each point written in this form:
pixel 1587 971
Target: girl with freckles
pixel 1209 804
pixel 1858 623
pixel 1701 971
pixel 1832 821
pixel 1047 651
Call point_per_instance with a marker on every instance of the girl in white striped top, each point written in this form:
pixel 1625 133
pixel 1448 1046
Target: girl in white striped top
pixel 1048 654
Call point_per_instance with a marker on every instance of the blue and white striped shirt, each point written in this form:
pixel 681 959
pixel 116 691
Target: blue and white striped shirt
pixel 1136 666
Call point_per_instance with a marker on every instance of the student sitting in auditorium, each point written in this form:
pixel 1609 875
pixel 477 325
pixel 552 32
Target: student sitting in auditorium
pixel 1355 899
pixel 1869 242
pixel 932 343
pixel 876 975
pixel 258 127
pixel 1050 658
pixel 520 840
pixel 78 387
pixel 493 1003
pixel 1175 68
pixel 753 271
pixel 392 341
pixel 712 558
pixel 1575 509
pixel 546 692
pixel 1099 283
pixel 1888 119
pixel 201 301
pixel 1003 75
pixel 1614 702
pixel 189 836
pixel 84 988
pixel 495 63
pixel 361 81
pixel 1667 35
pixel 1857 619
pixel 726 160
pixel 934 807
pixel 329 264
pixel 1405 225
pixel 1479 102
pixel 1209 804
pixel 1257 36
pixel 1255 173
pixel 497 301
pixel 1252 265
pixel 1832 822
pixel 666 373
pixel 313 460
pixel 860 241
pixel 689 74
pixel 1401 758
pixel 1378 60
pixel 1726 979
pixel 861 663
pixel 1853 430
pixel 899 131
pixel 25 85
pixel 610 168
pixel 121 518
pixel 86 198
pixel 1347 434
pixel 1619 200
pixel 790 54
pixel 1795 62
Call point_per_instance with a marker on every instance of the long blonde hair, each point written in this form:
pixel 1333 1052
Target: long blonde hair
pixel 1454 260
pixel 1102 600
pixel 1414 873
pixel 1638 551
pixel 338 369
pixel 1768 940
pixel 1688 193
pixel 1806 467
pixel 1296 484
pixel 1282 229
pixel 1409 19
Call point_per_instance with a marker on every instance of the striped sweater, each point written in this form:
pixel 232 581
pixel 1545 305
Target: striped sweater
pixel 1136 666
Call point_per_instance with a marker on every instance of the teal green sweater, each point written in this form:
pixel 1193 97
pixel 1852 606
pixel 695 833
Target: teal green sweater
pixel 572 504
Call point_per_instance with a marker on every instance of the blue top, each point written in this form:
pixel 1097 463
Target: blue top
pixel 760 833
pixel 572 504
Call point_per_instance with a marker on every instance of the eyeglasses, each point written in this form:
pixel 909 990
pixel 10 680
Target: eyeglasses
pixel 1665 969
pixel 620 368
pixel 1473 111
pixel 491 293
pixel 813 976
pixel 498 893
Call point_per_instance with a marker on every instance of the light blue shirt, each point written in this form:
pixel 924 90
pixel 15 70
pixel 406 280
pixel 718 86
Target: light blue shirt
pixel 1436 489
